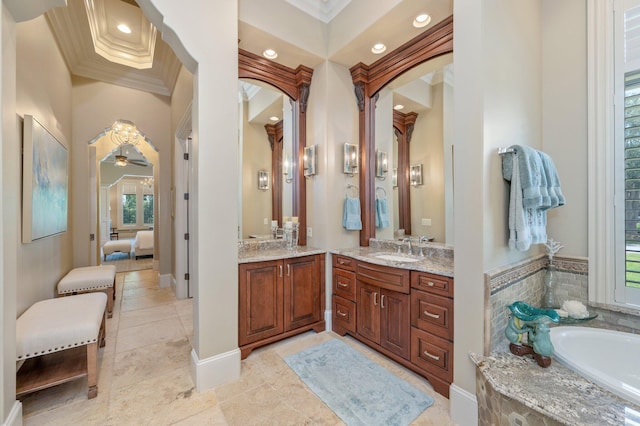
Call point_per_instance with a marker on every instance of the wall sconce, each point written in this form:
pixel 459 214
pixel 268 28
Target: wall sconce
pixel 415 175
pixel 310 160
pixel 287 169
pixel 350 159
pixel 381 164
pixel 263 180
pixel 394 178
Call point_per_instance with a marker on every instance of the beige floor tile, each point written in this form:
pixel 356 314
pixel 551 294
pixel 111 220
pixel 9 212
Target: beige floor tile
pixel 143 363
pixel 148 301
pixel 161 400
pixel 169 330
pixel 211 417
pixel 146 315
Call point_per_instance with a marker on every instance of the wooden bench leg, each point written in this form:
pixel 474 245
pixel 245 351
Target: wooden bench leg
pixel 92 370
pixel 102 334
pixel 110 296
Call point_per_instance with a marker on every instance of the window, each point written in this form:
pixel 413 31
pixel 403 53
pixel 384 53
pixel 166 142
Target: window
pixel 135 204
pixel 147 200
pixel 129 209
pixel 614 152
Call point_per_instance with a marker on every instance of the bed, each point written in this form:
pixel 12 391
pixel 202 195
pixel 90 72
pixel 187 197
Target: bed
pixel 143 244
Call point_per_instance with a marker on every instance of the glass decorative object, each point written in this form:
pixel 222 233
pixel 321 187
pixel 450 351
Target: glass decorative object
pixel 550 299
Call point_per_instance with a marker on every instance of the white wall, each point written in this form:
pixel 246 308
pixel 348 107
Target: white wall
pixel 96 105
pixel 43 89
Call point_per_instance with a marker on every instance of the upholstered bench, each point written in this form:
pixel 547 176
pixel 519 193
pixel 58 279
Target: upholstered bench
pixel 57 341
pixel 122 246
pixel 88 279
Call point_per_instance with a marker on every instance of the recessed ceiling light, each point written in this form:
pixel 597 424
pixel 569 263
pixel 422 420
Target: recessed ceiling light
pixel 421 20
pixel 124 28
pixel 270 54
pixel 274 118
pixel 378 48
pixel 398 107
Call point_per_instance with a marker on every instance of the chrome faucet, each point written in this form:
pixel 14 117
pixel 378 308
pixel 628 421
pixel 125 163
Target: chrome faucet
pixel 423 239
pixel 408 240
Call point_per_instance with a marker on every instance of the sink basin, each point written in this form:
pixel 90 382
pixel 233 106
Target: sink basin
pixel 396 258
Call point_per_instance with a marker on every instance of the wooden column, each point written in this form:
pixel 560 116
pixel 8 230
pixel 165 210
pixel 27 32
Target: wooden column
pixel 403 128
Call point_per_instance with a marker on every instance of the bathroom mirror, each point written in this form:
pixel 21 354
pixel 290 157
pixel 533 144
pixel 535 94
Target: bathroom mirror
pixel 272 90
pixel 374 86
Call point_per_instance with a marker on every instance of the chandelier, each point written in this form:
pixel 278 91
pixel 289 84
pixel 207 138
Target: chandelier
pixel 124 132
pixel 147 182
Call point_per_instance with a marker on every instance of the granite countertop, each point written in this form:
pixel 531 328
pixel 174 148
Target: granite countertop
pixel 435 261
pixel 275 253
pixel 556 391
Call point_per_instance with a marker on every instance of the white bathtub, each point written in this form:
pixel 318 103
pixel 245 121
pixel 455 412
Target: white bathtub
pixel 608 358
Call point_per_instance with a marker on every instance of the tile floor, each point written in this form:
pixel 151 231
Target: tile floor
pixel 144 376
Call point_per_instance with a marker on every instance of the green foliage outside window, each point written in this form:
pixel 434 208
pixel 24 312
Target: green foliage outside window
pixel 129 209
pixel 148 209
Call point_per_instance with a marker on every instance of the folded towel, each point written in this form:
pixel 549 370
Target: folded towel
pixel 351 214
pixel 382 213
pixel 556 198
pixel 526 225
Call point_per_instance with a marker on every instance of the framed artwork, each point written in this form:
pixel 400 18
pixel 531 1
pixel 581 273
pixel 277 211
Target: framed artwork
pixel 45 189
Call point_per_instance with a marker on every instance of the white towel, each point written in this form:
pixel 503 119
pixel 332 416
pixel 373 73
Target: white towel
pixel 526 226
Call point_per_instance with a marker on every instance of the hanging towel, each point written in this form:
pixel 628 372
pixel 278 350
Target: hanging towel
pixel 382 213
pixel 556 198
pixel 526 225
pixel 351 214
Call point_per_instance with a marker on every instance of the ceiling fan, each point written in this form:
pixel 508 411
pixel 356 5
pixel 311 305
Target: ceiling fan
pixel 122 160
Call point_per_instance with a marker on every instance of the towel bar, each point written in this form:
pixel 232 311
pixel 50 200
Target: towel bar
pixel 503 150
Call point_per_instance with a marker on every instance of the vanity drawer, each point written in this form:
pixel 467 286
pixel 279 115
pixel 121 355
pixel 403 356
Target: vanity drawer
pixel 432 313
pixel 344 262
pixel 344 284
pixel 432 354
pixel 344 313
pixel 434 284
pixel 394 279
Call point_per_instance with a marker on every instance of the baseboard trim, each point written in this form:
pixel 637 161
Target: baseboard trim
pixel 15 415
pixel 164 280
pixel 216 370
pixel 463 406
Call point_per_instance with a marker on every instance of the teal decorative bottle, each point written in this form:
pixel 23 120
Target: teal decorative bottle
pixel 550 299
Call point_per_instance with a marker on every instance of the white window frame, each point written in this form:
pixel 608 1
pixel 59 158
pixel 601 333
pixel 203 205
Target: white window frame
pixel 605 151
pixel 141 190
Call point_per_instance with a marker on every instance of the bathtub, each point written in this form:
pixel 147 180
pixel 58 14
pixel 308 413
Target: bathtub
pixel 607 358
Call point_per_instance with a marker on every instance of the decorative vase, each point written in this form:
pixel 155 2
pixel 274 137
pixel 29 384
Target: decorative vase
pixel 550 300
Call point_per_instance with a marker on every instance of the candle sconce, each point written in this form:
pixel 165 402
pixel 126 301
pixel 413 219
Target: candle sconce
pixel 310 160
pixel 287 169
pixel 394 178
pixel 415 175
pixel 263 180
pixel 350 159
pixel 381 164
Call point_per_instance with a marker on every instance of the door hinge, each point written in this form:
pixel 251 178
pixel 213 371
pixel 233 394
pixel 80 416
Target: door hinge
pixel 186 276
pixel 186 196
pixel 92 237
pixel 186 236
pixel 186 156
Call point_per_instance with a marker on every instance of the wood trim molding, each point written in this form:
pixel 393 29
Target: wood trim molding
pixel 367 81
pixel 275 135
pixel 295 83
pixel 403 125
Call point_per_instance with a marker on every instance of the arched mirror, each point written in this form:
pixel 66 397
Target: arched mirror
pixel 272 132
pixel 375 85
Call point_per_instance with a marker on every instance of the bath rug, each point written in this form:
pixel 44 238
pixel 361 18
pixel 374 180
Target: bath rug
pixel 357 389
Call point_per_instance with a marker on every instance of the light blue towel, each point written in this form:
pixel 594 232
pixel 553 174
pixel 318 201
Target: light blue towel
pixel 351 214
pixel 382 213
pixel 556 198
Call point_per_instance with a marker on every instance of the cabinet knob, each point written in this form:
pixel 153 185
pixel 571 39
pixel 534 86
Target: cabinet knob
pixel 280 270
pixel 430 283
pixel 342 314
pixel 375 298
pixel 342 285
pixel 382 301
pixel 437 358
pixel 429 314
pixel 342 262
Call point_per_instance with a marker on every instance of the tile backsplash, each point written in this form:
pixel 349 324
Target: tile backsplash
pixel 524 281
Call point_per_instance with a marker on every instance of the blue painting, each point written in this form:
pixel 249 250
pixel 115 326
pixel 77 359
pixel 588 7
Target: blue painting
pixel 45 183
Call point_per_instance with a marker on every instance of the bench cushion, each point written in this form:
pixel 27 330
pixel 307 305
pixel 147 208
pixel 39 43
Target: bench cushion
pixel 110 247
pixel 87 278
pixel 56 324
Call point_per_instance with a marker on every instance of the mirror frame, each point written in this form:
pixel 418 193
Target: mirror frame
pixel 403 125
pixel 294 83
pixel 368 80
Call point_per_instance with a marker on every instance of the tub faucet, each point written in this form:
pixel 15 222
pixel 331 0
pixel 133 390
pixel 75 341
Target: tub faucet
pixel 408 240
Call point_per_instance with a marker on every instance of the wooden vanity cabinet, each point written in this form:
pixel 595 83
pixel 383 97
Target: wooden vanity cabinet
pixel 406 315
pixel 279 299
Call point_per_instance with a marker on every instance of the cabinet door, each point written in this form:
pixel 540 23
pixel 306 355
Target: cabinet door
pixel 301 292
pixel 368 311
pixel 395 322
pixel 260 304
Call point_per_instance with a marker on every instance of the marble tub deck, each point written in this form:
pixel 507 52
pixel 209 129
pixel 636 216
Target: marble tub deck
pixel 144 375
